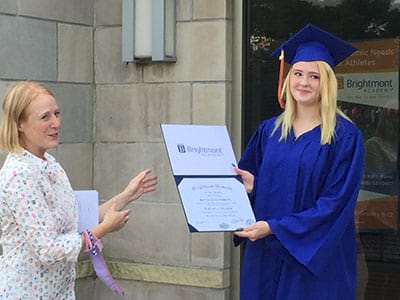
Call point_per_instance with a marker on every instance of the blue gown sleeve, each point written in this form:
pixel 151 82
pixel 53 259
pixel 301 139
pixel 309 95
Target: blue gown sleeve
pixel 253 154
pixel 312 235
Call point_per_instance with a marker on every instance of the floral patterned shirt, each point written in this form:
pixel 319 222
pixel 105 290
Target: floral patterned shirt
pixel 39 224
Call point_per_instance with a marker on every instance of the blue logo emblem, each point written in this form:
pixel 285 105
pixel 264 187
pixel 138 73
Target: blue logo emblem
pixel 181 148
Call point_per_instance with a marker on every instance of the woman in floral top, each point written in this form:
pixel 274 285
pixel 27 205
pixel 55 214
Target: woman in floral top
pixel 38 211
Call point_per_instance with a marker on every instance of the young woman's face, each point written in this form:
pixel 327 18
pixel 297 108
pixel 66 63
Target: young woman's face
pixel 40 129
pixel 304 83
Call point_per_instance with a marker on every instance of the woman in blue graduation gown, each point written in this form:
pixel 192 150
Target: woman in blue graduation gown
pixel 302 170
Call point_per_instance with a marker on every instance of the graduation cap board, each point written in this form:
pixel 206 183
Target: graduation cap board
pixel 212 195
pixel 311 44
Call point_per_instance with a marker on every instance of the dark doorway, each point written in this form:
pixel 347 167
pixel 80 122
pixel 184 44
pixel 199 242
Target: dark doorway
pixel 369 95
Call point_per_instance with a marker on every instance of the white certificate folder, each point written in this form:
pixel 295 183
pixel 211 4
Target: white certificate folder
pixel 212 194
pixel 88 209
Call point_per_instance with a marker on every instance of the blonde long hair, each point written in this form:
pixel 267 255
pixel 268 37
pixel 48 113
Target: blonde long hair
pixel 328 107
pixel 16 100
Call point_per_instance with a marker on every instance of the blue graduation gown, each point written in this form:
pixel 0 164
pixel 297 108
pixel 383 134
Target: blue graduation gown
pixel 307 193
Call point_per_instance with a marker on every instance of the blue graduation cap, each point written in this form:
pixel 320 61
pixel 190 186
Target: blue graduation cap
pixel 310 44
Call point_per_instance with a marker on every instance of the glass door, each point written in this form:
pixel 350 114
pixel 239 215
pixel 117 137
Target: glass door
pixel 368 94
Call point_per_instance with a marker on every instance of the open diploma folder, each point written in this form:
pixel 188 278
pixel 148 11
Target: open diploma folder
pixel 212 194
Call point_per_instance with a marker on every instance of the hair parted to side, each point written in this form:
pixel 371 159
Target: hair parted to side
pixel 16 100
pixel 328 107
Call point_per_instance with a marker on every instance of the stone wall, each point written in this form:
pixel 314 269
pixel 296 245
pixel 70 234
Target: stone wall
pixel 156 255
pixel 51 42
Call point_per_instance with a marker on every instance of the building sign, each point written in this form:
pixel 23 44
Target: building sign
pixel 371 75
pixel 368 83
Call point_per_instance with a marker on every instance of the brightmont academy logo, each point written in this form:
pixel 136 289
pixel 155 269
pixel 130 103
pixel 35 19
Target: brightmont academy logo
pixel 204 151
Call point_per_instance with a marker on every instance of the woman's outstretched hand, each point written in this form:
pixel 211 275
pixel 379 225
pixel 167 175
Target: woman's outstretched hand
pixel 142 183
pixel 114 220
pixel 247 177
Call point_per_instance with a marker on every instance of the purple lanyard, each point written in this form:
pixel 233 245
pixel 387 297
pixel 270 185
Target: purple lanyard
pixel 94 248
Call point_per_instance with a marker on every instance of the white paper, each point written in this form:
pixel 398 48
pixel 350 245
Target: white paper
pixel 199 149
pixel 215 204
pixel 88 209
